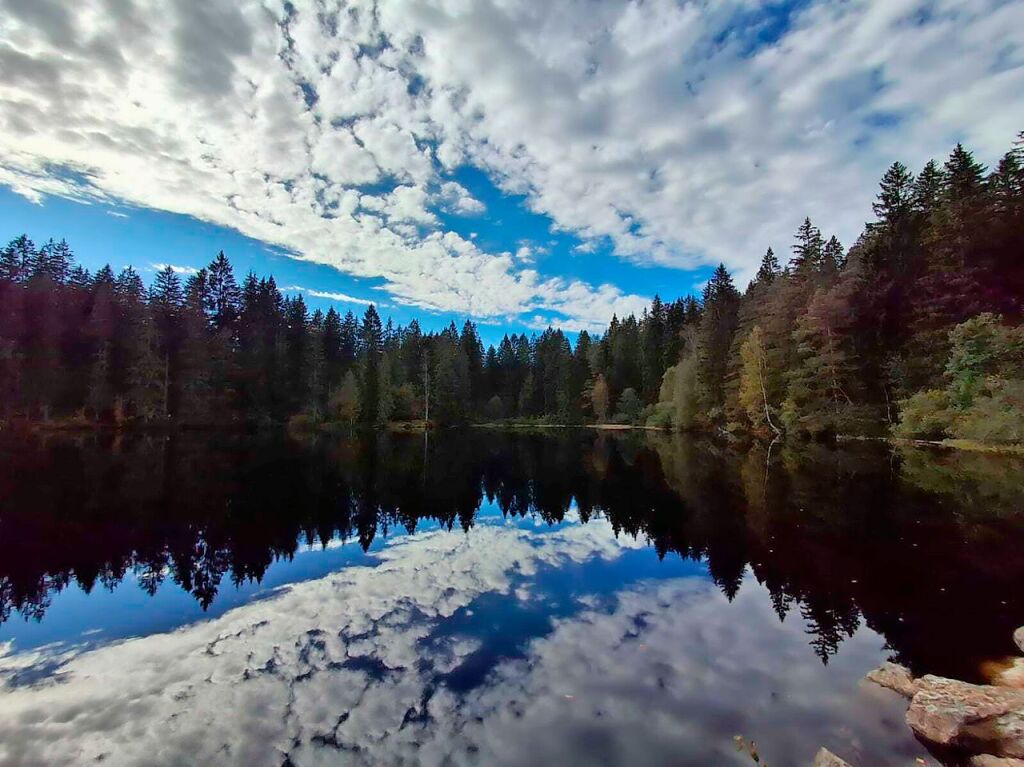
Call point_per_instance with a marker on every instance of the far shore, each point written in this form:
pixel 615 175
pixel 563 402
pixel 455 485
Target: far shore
pixel 71 426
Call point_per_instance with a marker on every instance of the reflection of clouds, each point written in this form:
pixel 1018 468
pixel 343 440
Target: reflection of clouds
pixel 345 669
pixel 285 667
pixel 670 676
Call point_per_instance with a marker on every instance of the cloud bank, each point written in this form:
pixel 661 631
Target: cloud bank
pixel 681 133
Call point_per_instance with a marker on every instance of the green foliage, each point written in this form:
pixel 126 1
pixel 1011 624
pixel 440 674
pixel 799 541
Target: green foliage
pixel 494 410
pixel 981 348
pixel 628 408
pixel 984 397
pixel 302 424
pixel 997 416
pixel 661 416
pixel 753 386
pixel 599 399
pixel 344 402
pixel 926 415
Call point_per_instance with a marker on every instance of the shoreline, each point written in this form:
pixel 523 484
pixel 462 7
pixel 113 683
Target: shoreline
pixel 408 427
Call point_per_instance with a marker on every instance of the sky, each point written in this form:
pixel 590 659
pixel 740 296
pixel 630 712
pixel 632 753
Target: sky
pixel 515 162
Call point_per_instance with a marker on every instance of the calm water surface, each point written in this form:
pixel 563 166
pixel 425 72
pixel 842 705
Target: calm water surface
pixel 488 598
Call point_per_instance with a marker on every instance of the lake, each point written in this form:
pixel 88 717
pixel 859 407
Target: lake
pixel 489 597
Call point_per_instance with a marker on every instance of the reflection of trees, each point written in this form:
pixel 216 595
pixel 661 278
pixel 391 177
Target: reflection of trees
pixel 839 536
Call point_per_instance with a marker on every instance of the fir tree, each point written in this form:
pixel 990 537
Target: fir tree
pixel 769 269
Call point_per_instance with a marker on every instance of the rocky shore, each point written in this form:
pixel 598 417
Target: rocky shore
pixel 978 725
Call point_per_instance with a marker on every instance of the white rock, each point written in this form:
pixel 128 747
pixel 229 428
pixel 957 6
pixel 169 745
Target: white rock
pixel 894 677
pixel 826 758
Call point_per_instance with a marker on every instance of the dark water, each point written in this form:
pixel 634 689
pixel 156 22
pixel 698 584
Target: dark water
pixel 488 598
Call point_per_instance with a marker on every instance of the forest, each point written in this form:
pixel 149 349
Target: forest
pixel 915 329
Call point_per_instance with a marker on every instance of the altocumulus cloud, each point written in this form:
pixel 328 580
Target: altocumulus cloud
pixel 683 132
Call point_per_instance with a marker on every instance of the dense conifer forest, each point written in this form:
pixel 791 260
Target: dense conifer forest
pixel 915 328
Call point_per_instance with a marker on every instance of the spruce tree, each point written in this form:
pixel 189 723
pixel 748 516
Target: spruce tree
pixel 807 251
pixel 896 197
pixel 224 295
pixel 370 342
pixel 769 269
pixel 718 324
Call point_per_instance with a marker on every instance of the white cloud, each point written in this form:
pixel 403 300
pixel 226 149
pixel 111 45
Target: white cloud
pixel 458 199
pixel 186 270
pixel 659 125
pixel 342 297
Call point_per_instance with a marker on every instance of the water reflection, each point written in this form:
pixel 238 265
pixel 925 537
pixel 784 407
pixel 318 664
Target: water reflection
pixel 633 600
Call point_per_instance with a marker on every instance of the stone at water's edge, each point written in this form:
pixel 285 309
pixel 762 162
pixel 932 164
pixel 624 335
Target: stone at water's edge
pixel 1018 637
pixel 826 758
pixel 977 718
pixel 1008 672
pixel 894 677
pixel 987 760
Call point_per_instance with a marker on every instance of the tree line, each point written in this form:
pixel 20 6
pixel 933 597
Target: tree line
pixel 916 327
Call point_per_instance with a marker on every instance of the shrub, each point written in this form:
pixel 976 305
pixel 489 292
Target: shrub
pixel 302 423
pixel 494 410
pixel 926 415
pixel 661 416
pixel 997 416
pixel 629 407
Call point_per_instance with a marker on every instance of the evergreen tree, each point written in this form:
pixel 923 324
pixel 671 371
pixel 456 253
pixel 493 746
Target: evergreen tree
pixel 927 190
pixel 718 324
pixel 896 197
pixel 224 298
pixel 371 344
pixel 807 251
pixel 769 269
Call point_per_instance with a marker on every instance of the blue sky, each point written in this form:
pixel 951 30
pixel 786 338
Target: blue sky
pixel 121 235
pixel 517 163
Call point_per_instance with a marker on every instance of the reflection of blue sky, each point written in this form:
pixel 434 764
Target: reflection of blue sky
pixel 103 615
pixel 460 648
pixel 126 610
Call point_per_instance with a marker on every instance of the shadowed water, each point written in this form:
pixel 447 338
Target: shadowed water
pixel 488 598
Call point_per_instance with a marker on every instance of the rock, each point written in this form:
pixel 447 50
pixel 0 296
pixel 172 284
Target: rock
pixel 1008 672
pixel 988 760
pixel 826 758
pixel 894 677
pixel 1018 637
pixel 976 718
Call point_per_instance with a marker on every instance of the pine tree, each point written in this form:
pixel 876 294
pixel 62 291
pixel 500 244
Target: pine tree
pixel 471 346
pixel 331 341
pixel 770 268
pixel 371 343
pixel 145 369
pixel 17 259
pixel 820 384
pixel 807 251
pixel 652 332
pixel 224 297
pixel 896 197
pixel 964 177
pixel 833 257
pixel 927 191
pixel 718 324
